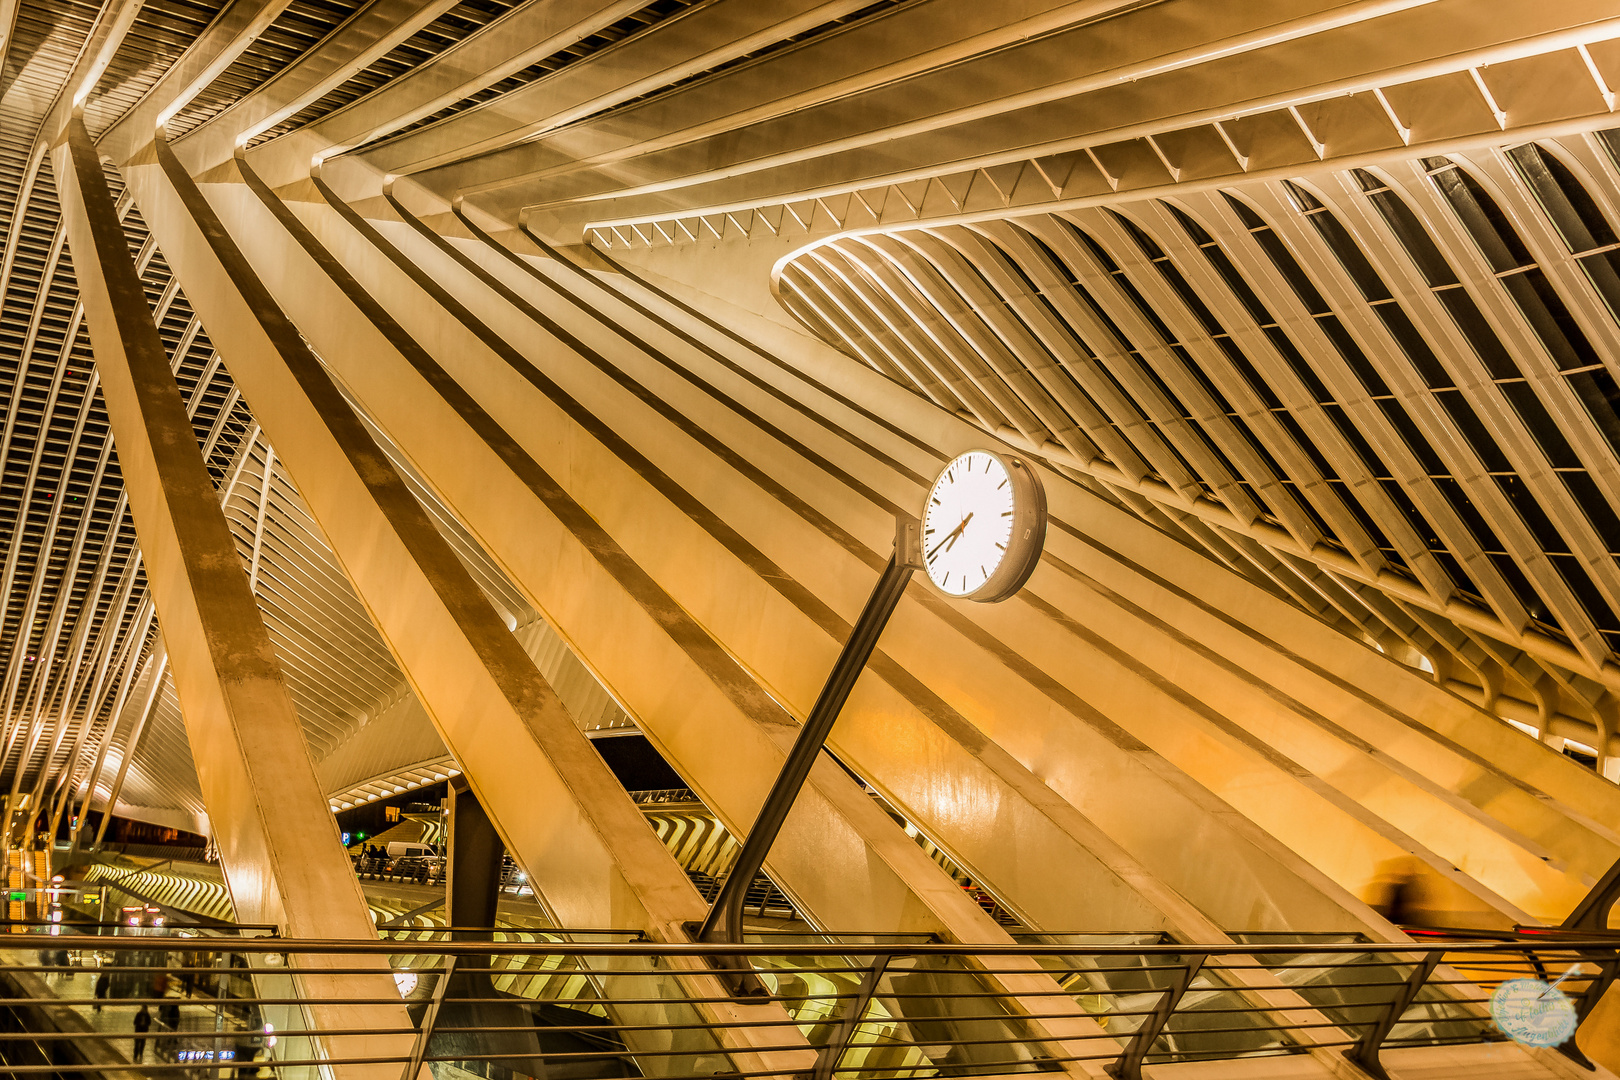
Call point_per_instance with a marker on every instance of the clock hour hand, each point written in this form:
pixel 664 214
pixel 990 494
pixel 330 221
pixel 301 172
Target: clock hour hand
pixel 951 536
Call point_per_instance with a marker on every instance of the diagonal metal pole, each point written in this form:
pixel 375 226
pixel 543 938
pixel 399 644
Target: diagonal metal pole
pixel 724 921
pixel 1592 913
pixel 833 1052
pixel 404 917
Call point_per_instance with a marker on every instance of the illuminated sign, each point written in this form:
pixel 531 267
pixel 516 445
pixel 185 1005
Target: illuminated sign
pixel 206 1055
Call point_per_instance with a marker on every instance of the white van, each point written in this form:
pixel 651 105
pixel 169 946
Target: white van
pixel 408 849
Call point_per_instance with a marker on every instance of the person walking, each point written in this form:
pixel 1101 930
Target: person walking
pixel 143 1023
pixel 103 985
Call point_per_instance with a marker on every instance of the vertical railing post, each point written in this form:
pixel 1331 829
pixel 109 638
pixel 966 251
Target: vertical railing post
pixel 1365 1053
pixel 833 1052
pixel 1608 966
pixel 430 1017
pixel 1129 1064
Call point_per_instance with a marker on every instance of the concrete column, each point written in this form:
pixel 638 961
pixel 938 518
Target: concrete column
pixel 283 860
pixel 474 886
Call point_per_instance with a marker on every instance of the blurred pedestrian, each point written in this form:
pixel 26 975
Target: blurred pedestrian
pixel 143 1024
pixel 1403 893
pixel 103 986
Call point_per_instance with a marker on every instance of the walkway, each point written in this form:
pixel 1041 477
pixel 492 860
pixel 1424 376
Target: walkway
pixel 197 1017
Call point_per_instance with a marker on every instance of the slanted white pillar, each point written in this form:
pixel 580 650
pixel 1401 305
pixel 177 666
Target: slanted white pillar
pixel 587 849
pixel 283 859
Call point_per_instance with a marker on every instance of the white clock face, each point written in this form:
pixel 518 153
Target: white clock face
pixel 967 526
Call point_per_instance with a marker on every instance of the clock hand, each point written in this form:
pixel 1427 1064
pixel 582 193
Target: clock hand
pixel 951 536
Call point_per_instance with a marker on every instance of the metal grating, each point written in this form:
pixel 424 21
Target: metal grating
pixel 455 25
pixel 163 30
pixel 297 30
pixel 648 17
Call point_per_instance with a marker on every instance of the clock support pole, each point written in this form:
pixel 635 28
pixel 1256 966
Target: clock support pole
pixel 724 922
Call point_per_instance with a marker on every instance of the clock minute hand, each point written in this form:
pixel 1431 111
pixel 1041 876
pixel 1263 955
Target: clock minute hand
pixel 951 536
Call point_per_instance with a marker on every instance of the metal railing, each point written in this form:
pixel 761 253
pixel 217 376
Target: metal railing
pixel 592 1005
pixel 762 899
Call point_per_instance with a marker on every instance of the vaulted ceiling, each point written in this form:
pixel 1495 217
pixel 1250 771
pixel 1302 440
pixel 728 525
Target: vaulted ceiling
pixel 886 146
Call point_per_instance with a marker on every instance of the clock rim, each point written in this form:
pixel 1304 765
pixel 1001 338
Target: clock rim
pixel 1025 542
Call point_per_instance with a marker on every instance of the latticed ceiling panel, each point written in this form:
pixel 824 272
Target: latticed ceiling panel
pixel 43 47
pixel 632 24
pixel 1401 379
pixel 69 567
pixel 298 29
pixel 461 21
pixel 163 30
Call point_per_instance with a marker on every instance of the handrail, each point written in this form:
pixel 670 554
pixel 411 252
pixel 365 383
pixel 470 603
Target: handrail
pixel 839 1009
pixel 823 948
pixel 113 924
